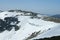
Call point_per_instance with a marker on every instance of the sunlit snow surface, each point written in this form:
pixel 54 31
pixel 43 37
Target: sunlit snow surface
pixel 28 26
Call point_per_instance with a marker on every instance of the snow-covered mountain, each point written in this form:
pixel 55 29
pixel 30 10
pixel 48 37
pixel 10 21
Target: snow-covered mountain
pixel 24 25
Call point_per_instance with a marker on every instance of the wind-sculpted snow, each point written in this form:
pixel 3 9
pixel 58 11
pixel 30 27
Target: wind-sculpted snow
pixel 14 26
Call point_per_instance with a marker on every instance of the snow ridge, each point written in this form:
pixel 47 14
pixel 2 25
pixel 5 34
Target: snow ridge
pixel 30 27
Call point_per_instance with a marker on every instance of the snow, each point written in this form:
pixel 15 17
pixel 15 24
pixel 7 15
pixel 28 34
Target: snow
pixel 29 26
pixel 55 31
pixel 7 35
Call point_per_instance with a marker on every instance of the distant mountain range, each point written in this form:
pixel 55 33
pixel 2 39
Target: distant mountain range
pixel 56 16
pixel 1 11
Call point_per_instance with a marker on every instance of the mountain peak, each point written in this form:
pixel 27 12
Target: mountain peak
pixel 25 25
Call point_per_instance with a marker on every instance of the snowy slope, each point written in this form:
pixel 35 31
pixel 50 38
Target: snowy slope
pixel 55 31
pixel 29 28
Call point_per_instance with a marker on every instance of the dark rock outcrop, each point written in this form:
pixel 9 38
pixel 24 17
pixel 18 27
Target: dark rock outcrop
pixel 6 24
pixel 51 38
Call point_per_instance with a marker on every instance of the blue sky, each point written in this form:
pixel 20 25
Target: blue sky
pixel 41 6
